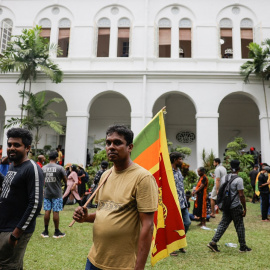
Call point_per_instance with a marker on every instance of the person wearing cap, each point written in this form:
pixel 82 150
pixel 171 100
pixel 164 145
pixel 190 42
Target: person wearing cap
pixel 264 191
pixel 72 184
pixel 53 201
pixel 236 213
pixel 252 175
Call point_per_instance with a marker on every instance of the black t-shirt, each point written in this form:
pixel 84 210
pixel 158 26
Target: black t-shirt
pixel 21 197
pixel 1 181
pixel 98 176
pixel 262 180
pixel 253 174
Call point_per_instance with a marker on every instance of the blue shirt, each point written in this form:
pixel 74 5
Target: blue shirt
pixel 179 183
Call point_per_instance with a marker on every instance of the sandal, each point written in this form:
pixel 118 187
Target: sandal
pixel 174 253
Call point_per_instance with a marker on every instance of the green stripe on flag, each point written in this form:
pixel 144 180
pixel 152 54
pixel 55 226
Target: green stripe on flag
pixel 146 138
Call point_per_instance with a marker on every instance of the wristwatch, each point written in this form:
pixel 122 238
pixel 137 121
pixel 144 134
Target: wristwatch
pixel 13 238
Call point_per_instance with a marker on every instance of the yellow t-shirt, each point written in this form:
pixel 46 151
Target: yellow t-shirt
pixel 117 225
pixel 60 155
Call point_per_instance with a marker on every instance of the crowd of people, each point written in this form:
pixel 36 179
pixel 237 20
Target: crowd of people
pixel 126 200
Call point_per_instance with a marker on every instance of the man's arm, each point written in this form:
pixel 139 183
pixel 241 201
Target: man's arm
pixel 217 183
pixel 243 201
pixel 145 238
pixel 34 191
pixel 81 215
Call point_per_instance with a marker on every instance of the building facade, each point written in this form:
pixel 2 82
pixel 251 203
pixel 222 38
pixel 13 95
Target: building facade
pixel 123 61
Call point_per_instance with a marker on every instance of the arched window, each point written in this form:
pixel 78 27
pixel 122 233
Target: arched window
pixel 164 33
pixel 45 28
pixel 103 42
pixel 123 37
pixel 226 43
pixel 246 36
pixel 185 38
pixel 6 32
pixel 63 36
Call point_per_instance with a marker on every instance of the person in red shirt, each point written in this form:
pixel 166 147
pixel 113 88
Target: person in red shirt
pixel 41 160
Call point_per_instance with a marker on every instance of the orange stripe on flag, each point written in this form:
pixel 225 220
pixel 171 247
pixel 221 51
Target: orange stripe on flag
pixel 150 156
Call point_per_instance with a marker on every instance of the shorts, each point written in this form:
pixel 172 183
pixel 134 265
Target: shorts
pixel 214 193
pixel 53 204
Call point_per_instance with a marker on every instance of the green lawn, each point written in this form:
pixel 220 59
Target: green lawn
pixel 70 252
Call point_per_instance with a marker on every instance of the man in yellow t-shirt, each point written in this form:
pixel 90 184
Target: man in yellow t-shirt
pixel 123 222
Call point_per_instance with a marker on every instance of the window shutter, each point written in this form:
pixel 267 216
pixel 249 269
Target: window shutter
pixel 247 34
pixel 5 36
pixel 184 34
pixel 164 36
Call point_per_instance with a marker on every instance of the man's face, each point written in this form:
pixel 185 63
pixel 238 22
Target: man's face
pixel 117 148
pixel 179 162
pixel 215 164
pixel 16 150
pixel 200 173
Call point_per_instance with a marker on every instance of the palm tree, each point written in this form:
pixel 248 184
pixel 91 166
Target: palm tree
pixel 260 66
pixel 38 115
pixel 28 54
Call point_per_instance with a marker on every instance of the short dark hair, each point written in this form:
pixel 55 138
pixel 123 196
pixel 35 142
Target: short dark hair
pixel 22 133
pixel 202 169
pixel 217 160
pixel 175 155
pixel 121 130
pixel 73 167
pixel 53 155
pixel 104 164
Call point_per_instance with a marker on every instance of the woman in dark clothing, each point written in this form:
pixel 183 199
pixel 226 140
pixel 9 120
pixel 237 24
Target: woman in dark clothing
pixel 264 192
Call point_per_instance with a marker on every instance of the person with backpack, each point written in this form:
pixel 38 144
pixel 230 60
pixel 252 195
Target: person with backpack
pixel 232 202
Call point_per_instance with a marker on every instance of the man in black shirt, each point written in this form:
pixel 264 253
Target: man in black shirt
pixel 20 200
pixel 252 175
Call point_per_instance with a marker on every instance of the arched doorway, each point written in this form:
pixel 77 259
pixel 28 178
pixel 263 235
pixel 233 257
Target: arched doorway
pixel 107 109
pixel 180 122
pixel 48 135
pixel 2 119
pixel 238 117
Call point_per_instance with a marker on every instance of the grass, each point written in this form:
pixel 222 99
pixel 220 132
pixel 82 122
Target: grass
pixel 70 252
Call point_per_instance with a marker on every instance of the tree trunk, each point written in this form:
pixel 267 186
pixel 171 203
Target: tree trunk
pixel 24 84
pixel 36 141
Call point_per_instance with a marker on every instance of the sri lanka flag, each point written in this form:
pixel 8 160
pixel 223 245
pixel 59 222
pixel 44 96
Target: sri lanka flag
pixel 151 152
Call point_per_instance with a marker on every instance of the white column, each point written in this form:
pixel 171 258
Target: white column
pixel 54 38
pixel 137 123
pixel 76 137
pixel 207 134
pixel 236 41
pixel 8 116
pixel 113 40
pixel 265 139
pixel 174 42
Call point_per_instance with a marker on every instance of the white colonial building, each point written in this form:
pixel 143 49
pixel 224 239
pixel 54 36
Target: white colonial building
pixel 124 60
